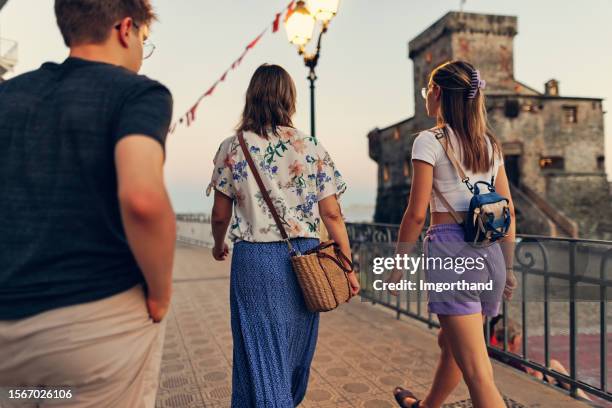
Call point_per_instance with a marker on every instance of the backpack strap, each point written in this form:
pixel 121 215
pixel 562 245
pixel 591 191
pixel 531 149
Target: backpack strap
pixel 450 153
pixel 448 149
pixel 458 219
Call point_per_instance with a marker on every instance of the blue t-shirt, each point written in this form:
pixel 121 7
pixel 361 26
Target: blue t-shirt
pixel 62 240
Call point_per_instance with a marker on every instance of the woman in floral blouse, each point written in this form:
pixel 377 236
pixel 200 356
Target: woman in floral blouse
pixel 274 333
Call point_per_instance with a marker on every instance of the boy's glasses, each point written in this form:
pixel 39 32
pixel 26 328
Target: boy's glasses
pixel 147 46
pixel 147 49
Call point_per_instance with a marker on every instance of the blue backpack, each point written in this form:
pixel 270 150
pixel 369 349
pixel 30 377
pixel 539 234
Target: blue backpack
pixel 488 217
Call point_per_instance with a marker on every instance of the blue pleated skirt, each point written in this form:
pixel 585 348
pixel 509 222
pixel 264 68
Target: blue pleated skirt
pixel 274 333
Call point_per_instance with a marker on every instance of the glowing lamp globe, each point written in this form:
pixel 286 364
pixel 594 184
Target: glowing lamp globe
pixel 300 25
pixel 323 10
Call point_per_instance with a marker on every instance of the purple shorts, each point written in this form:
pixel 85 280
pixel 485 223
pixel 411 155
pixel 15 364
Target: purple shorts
pixel 462 279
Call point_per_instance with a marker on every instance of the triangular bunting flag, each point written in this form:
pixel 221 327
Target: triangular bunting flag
pixel 211 90
pixel 255 41
pixel 191 114
pixel 239 60
pixel 276 23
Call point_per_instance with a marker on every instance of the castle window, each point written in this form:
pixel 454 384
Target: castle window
pixel 570 114
pixel 512 108
pixel 529 107
pixel 601 163
pixel 386 176
pixel 407 168
pixel 552 163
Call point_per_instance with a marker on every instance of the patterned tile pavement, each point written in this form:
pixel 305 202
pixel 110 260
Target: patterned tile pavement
pixel 362 354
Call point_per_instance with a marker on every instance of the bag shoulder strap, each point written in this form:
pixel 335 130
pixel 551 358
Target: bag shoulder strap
pixel 263 190
pixel 458 219
pixel 450 153
pixel 448 149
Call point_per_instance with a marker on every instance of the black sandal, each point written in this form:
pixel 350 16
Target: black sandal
pixel 401 394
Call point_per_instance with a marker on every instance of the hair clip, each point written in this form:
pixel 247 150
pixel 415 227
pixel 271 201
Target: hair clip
pixel 475 84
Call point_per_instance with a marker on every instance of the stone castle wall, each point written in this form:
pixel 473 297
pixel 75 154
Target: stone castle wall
pixel 540 131
pixel 586 197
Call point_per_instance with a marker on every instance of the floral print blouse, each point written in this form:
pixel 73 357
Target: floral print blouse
pixel 297 171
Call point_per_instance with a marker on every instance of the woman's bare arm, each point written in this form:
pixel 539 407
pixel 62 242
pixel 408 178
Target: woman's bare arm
pixel 331 215
pixel 219 220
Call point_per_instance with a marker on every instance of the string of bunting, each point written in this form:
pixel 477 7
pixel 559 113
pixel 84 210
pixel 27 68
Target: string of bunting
pixel 189 117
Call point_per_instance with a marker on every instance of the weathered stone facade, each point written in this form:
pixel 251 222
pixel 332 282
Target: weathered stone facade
pixel 553 145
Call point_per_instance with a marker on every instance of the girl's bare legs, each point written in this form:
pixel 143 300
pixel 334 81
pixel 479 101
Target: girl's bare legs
pixel 447 375
pixel 465 338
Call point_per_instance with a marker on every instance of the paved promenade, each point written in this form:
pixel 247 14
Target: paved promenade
pixel 362 353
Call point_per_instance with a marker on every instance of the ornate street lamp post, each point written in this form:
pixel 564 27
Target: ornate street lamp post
pixel 300 27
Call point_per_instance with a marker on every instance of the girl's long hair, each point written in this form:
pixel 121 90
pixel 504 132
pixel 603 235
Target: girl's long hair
pixel 270 101
pixel 467 117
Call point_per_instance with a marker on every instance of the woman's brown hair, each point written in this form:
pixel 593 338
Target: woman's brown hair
pixel 465 113
pixel 270 101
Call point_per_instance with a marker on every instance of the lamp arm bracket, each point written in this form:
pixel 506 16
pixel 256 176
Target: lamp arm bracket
pixel 311 60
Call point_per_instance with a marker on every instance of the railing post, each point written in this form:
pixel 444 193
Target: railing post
pixel 398 305
pixel 418 294
pixel 505 322
pixel 603 324
pixel 487 330
pixel 546 320
pixel 573 317
pixel 408 300
pixel 524 319
pixel 603 352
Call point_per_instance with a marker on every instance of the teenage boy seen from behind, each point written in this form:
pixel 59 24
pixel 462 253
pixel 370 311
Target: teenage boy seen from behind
pixel 87 230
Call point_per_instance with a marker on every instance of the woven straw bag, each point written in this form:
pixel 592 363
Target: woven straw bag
pixel 322 277
pixel 320 271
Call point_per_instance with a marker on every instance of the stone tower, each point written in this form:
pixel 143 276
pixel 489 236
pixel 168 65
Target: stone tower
pixel 486 41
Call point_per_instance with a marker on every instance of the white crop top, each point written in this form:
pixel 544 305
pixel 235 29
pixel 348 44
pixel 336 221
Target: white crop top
pixel 428 149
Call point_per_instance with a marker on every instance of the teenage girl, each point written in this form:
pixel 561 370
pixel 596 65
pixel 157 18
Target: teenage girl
pixel 454 97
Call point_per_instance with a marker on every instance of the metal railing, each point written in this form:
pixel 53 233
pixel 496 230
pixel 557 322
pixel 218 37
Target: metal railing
pixel 194 229
pixel 194 217
pixel 554 274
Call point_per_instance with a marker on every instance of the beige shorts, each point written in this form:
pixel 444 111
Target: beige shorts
pixel 107 352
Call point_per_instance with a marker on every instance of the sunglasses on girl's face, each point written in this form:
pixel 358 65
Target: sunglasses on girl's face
pixel 425 91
